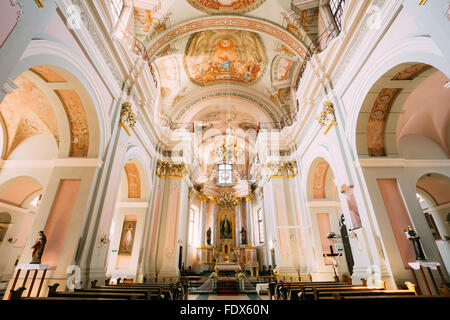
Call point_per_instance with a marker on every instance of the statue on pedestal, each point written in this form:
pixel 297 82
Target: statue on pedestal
pixel 243 236
pixel 38 248
pixel 412 235
pixel 208 237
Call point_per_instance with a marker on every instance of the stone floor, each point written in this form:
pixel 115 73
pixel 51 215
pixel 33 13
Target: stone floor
pixel 207 296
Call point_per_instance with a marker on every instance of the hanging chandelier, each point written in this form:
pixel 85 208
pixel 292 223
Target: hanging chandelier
pixel 230 149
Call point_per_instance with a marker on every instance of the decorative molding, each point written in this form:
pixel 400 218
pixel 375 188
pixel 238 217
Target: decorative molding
pixel 127 117
pixel 9 86
pixel 279 168
pixel 226 93
pixel 377 121
pixel 93 32
pixel 227 199
pixel 411 72
pixel 326 203
pixel 60 163
pixel 327 118
pixel 228 22
pixel 402 163
pixel 235 7
pixel 174 170
pixel 140 204
pixel 20 12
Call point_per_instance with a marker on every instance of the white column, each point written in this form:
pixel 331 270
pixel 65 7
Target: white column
pixel 248 214
pixel 203 222
pixel 238 220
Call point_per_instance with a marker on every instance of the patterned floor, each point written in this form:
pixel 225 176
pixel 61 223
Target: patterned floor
pixel 207 296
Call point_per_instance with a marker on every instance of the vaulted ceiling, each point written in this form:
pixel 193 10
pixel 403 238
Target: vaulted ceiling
pixel 250 50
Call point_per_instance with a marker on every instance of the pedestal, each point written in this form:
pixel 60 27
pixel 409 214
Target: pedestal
pixel 28 268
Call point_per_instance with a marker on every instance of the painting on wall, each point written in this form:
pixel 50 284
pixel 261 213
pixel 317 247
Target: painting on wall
pixel 226 225
pixel 225 55
pixel 226 6
pixel 127 238
pixel 352 206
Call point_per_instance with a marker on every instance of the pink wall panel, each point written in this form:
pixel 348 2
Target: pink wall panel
pixel 174 196
pixel 323 219
pixel 8 20
pixel 398 216
pixel 155 222
pixel 59 220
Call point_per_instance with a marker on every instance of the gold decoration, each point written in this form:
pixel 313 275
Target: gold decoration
pixel 203 198
pixel 40 3
pixel 127 117
pixel 227 199
pixel 327 118
pixel 175 170
pixel 277 169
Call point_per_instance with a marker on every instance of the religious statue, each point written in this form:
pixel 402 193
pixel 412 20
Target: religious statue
pixel 412 235
pixel 38 248
pixel 243 236
pixel 208 236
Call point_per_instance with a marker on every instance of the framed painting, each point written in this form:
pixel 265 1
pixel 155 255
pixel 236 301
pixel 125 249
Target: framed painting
pixel 127 238
pixel 226 225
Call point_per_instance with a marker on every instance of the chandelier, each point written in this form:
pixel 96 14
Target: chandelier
pixel 230 149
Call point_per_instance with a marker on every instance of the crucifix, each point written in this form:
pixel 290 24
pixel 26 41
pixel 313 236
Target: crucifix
pixel 333 256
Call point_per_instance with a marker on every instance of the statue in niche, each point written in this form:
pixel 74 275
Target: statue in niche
pixel 38 248
pixel 243 236
pixel 412 235
pixel 208 236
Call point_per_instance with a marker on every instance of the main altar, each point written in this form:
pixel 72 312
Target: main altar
pixel 227 242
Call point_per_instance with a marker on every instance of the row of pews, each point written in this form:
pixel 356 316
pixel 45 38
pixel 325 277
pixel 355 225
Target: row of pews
pixel 119 291
pixel 332 290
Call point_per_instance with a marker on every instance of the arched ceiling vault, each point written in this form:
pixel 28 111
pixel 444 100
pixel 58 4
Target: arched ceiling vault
pixel 200 44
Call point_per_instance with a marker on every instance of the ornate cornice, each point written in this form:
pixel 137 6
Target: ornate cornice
pixel 93 32
pixel 280 168
pixel 189 103
pixel 172 169
pixel 229 22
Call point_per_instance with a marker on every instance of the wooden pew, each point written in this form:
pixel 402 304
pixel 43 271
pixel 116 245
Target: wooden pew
pixel 17 294
pixel 129 296
pixel 178 291
pixel 293 290
pixel 149 293
pixel 339 295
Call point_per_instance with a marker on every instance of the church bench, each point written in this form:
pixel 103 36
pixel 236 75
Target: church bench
pixel 293 290
pixel 170 291
pixel 338 295
pixel 315 292
pixel 149 293
pixel 64 294
pixel 393 297
pixel 17 294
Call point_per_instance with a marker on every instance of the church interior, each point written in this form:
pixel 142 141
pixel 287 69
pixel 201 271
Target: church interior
pixel 224 149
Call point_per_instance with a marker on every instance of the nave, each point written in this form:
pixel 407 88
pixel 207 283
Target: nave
pixel 265 150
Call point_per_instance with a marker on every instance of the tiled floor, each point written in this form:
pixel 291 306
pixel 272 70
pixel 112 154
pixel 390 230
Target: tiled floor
pixel 249 296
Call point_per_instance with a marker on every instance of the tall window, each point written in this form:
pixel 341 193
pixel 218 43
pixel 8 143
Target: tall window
pixel 117 6
pixel 260 226
pixel 337 11
pixel 225 173
pixel 191 226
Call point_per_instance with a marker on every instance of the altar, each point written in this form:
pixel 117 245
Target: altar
pixel 227 269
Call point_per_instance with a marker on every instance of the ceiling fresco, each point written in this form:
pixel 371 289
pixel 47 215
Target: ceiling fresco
pixel 226 6
pixel 225 55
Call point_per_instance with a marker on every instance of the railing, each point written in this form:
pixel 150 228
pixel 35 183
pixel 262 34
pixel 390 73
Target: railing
pixel 317 46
